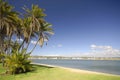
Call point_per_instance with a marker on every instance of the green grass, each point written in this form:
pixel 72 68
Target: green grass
pixel 49 73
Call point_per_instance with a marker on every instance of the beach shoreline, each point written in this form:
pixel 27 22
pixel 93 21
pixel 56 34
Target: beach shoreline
pixel 77 70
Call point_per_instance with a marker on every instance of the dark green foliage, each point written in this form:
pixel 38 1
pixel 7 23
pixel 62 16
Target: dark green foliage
pixel 17 62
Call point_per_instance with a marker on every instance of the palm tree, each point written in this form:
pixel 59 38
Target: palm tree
pixel 36 25
pixel 8 22
pixel 13 28
pixel 33 25
pixel 43 34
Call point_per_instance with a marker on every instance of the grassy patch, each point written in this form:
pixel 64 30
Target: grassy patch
pixel 49 73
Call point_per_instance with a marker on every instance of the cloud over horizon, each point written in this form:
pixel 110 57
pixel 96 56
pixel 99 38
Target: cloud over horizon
pixel 98 51
pixel 104 51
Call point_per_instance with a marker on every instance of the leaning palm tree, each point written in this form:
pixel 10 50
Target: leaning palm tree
pixel 26 33
pixel 36 26
pixel 43 34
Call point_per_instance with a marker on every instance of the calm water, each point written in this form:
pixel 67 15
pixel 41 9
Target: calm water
pixel 111 67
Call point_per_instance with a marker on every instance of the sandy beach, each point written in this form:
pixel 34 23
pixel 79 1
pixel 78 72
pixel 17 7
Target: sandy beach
pixel 76 70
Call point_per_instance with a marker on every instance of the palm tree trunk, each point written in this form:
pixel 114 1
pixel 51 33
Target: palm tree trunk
pixel 22 44
pixel 34 46
pixel 9 44
pixel 27 46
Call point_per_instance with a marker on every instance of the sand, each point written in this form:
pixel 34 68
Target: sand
pixel 76 70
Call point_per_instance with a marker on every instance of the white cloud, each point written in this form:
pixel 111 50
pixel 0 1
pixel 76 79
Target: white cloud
pixel 59 45
pixel 93 46
pixel 19 39
pixel 53 46
pixel 104 51
pixel 33 42
pixel 100 47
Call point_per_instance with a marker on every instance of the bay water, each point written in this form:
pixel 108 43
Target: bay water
pixel 104 66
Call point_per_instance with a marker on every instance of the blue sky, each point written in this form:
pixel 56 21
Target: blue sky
pixel 78 25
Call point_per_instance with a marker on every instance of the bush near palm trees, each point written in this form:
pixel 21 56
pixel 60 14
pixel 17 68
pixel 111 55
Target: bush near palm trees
pixel 17 62
pixel 17 33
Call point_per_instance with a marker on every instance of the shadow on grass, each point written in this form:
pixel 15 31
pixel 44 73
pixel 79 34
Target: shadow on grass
pixel 35 69
pixel 39 67
pixel 42 66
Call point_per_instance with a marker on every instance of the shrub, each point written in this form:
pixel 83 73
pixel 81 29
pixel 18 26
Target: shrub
pixel 17 62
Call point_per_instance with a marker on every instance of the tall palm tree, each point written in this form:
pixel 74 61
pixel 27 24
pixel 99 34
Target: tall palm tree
pixel 8 22
pixel 37 25
pixel 26 33
pixel 43 34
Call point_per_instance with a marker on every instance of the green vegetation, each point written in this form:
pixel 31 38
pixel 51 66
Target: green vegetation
pixel 17 62
pixel 50 73
pixel 16 33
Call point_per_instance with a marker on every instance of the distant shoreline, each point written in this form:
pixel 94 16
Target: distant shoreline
pixel 76 70
pixel 75 58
